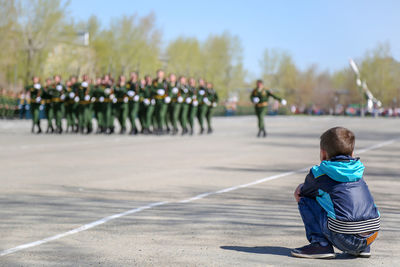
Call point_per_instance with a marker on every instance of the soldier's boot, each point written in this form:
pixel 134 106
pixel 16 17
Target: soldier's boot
pixel 168 130
pixel 201 130
pixel 111 130
pixel 210 130
pixel 174 131
pixel 59 130
pixel 264 134
pixel 123 130
pixel 184 131
pixel 33 128
pixel 134 131
pixel 81 130
pixel 89 130
pixel 40 129
pixel 259 132
pixel 191 131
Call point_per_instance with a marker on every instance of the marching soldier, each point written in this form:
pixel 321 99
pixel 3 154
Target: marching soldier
pixel 260 97
pixel 75 85
pixel 185 104
pixel 108 100
pixel 212 97
pixel 133 101
pixel 194 103
pixel 82 98
pixel 176 100
pixel 34 92
pixel 68 105
pixel 148 104
pixel 58 97
pixel 121 103
pixel 47 96
pixel 98 99
pixel 162 99
pixel 203 104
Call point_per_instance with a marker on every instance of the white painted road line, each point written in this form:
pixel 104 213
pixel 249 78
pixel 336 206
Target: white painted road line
pixel 152 205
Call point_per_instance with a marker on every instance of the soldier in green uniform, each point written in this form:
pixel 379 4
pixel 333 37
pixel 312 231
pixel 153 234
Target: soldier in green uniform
pixel 83 99
pixel 46 98
pixel 212 97
pixel 108 101
pixel 260 97
pixel 57 101
pixel 133 101
pixel 194 103
pixel 148 104
pixel 203 104
pixel 97 93
pixel 121 103
pixel 174 108
pixel 185 105
pixel 34 92
pixel 159 89
pixel 75 85
pixel 142 106
pixel 68 105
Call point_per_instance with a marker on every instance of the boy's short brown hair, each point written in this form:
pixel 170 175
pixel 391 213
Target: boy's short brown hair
pixel 338 141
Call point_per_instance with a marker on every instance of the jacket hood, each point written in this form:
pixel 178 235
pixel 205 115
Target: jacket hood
pixel 340 169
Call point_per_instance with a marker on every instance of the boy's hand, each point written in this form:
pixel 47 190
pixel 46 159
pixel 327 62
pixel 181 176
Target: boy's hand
pixel 297 192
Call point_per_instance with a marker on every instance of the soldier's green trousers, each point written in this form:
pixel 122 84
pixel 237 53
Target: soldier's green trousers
pixel 99 114
pixel 81 115
pixel 192 114
pixel 49 114
pixel 88 115
pixel 133 110
pixel 260 113
pixel 74 115
pixel 184 115
pixel 173 112
pixel 142 116
pixel 209 114
pixel 121 112
pixel 35 111
pixel 107 115
pixel 160 111
pixel 202 114
pixel 149 115
pixel 58 113
pixel 69 115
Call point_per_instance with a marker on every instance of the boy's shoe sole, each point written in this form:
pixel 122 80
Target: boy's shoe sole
pixel 364 255
pixel 313 256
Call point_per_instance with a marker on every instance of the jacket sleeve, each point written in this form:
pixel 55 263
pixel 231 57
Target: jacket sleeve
pixel 310 187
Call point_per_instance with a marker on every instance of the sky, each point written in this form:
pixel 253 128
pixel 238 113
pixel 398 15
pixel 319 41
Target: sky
pixel 326 33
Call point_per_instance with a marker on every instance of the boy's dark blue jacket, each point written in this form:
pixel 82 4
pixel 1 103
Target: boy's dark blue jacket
pixel 339 188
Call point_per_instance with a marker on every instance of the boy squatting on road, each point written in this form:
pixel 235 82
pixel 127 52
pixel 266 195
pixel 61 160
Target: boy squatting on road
pixel 335 203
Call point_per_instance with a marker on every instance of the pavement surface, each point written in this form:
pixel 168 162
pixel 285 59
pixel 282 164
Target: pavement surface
pixel 224 199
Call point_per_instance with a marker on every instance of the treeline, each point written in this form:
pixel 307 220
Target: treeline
pixel 39 37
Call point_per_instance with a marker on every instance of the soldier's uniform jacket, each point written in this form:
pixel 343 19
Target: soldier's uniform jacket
pixel 35 92
pixel 193 96
pixel 57 93
pixel 202 96
pixel 260 97
pixel 69 95
pixel 83 93
pixel 120 93
pixel 212 97
pixel 159 90
pixel 184 91
pixel 108 93
pixel 132 91
pixel 47 94
pixel 174 91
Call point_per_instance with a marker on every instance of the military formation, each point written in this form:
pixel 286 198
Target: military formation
pixel 164 105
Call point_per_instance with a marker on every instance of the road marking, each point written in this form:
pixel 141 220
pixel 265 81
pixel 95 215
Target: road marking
pixel 157 204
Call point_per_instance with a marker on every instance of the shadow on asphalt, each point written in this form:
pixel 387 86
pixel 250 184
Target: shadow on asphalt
pixel 272 250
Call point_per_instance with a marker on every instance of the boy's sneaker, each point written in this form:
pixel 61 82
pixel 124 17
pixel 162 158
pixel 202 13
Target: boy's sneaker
pixel 314 251
pixel 366 253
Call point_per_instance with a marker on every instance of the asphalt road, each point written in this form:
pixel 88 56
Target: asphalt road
pixel 160 201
